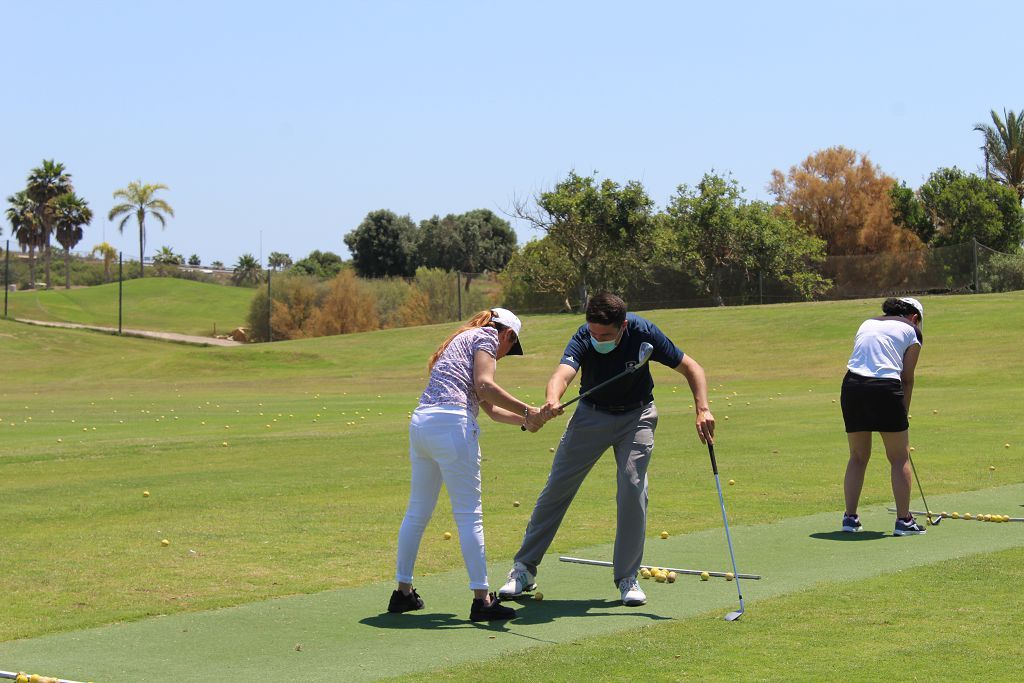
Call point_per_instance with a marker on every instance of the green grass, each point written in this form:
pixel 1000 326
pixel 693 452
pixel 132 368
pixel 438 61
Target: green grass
pixel 903 626
pixel 161 304
pixel 313 502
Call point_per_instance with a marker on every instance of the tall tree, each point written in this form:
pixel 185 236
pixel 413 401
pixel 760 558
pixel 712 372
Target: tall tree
pixel 247 270
pixel 717 232
pixel 383 244
pixel 108 254
pixel 139 200
pixel 278 261
pixel 604 229
pixel 471 243
pixel 844 199
pixel 70 213
pixel 24 220
pixel 44 184
pixel 963 206
pixel 1004 149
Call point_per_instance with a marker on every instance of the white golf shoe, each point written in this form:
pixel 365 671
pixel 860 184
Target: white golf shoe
pixel 519 580
pixel 632 594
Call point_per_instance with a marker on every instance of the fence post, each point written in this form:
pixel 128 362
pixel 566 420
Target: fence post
pixel 7 274
pixel 974 243
pixel 120 289
pixel 458 290
pixel 270 330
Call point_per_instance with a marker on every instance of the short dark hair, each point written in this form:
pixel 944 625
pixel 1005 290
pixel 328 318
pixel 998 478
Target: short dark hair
pixel 605 308
pixel 894 306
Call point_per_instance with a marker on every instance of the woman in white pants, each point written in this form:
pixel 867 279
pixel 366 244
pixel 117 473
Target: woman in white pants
pixel 443 448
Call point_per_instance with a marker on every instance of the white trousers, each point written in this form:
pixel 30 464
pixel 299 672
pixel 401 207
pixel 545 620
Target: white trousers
pixel 444 448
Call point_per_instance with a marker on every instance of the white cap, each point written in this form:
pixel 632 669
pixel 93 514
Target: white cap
pixel 505 317
pixel 915 303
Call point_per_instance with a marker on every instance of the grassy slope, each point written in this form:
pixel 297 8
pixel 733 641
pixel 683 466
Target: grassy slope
pixel 313 502
pixel 162 304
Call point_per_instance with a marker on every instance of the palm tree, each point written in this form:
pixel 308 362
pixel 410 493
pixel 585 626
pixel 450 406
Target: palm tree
pixel 167 257
pixel 247 270
pixel 138 200
pixel 1004 149
pixel 70 213
pixel 21 213
pixel 108 253
pixel 46 183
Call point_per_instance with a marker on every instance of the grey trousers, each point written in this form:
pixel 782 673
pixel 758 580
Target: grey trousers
pixel 587 436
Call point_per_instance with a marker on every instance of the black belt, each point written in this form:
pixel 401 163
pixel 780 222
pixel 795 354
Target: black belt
pixel 616 410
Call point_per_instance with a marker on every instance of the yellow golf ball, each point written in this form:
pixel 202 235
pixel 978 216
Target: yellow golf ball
pixel 991 468
pixel 955 515
pixel 729 576
pixel 165 542
pixel 538 596
pixel 704 576
pixel 732 482
pixel 660 577
pixel 664 534
pixel 145 494
pixel 645 573
pixel 968 515
pixel 447 535
pixel 515 503
pixel 671 577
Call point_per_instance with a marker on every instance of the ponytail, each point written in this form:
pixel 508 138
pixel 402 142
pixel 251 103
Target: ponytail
pixel 481 319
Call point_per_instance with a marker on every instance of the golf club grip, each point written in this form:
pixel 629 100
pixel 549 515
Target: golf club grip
pixel 714 463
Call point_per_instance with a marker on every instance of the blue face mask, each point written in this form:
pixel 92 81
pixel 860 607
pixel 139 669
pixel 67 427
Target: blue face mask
pixel 604 346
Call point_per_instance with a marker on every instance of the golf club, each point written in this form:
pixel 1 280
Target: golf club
pixel 731 616
pixel 691 572
pixel 645 354
pixel 927 510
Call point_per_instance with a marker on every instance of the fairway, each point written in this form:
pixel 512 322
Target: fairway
pixel 156 303
pixel 278 474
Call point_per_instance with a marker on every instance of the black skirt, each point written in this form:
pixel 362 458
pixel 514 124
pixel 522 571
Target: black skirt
pixel 871 404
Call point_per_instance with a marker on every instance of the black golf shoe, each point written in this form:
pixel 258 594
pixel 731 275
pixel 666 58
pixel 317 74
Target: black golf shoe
pixel 495 611
pixel 400 602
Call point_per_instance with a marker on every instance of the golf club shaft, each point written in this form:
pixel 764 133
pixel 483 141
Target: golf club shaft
pixel 927 510
pixel 691 572
pixel 948 516
pixel 602 385
pixel 725 520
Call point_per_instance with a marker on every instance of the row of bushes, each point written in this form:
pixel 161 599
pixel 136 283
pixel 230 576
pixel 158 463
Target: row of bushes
pixel 300 307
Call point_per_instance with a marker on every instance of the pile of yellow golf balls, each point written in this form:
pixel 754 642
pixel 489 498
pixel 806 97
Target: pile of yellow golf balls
pixel 979 517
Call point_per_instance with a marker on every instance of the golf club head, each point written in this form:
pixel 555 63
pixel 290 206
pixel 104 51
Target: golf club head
pixel 733 616
pixel 645 354
pixel 934 521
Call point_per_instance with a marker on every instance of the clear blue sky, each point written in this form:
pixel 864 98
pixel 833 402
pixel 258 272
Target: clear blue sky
pixel 295 119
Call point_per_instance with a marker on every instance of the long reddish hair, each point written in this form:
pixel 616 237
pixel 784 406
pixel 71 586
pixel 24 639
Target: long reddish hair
pixel 481 319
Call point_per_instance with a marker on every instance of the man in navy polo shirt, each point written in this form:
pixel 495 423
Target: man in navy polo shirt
pixel 622 416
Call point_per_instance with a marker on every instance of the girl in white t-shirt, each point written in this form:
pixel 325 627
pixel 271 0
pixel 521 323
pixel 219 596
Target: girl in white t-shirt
pixel 876 398
pixel 443 448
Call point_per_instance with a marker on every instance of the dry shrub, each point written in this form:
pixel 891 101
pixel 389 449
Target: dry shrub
pixel 349 306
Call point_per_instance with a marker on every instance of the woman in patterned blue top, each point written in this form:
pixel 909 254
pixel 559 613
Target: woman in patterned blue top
pixel 443 447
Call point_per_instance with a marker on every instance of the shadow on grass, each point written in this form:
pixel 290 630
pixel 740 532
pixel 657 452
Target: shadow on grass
pixel 528 613
pixel 425 620
pixel 547 611
pixel 847 536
